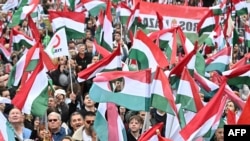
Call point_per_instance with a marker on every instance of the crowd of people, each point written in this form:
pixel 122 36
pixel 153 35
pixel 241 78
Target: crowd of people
pixel 71 113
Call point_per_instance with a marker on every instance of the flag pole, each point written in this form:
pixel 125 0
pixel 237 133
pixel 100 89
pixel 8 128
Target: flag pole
pixel 70 75
pixel 144 122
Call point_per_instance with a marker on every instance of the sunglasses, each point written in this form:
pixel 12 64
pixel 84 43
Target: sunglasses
pixel 90 121
pixel 50 120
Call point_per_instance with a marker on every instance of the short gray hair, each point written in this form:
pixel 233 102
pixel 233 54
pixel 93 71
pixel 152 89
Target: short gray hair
pixel 55 114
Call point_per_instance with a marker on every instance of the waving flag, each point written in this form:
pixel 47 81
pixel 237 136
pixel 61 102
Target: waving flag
pixel 32 98
pixel 72 21
pixel 112 122
pixel 134 87
pixel 146 53
pixel 58 46
pixel 23 12
pixel 205 118
pixel 162 97
pixel 219 61
pixel 111 62
pixel 7 132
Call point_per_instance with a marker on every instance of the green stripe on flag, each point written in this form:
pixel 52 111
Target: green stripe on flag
pixel 32 65
pixel 40 104
pixel 101 126
pixel 216 66
pixel 239 80
pixel 19 45
pixel 129 101
pixel 187 102
pixel 96 10
pixel 141 58
pixel 161 103
pixel 209 28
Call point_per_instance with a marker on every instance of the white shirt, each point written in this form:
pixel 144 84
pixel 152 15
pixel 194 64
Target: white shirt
pixel 86 137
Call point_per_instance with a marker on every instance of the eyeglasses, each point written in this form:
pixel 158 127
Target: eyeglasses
pixel 90 121
pixel 50 120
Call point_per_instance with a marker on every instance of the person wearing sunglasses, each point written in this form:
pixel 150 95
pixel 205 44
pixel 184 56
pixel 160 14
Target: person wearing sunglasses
pixel 54 124
pixel 86 132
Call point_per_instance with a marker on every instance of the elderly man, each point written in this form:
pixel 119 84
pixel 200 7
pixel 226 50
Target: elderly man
pixel 16 118
pixel 54 124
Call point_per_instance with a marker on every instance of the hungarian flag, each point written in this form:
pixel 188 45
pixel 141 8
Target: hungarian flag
pixel 238 75
pixel 207 23
pixel 17 71
pixel 4 53
pixel 20 40
pixel 161 93
pixel 134 21
pixel 110 62
pixel 108 28
pixel 240 7
pixel 23 12
pixel 219 61
pixel 216 38
pixel 205 118
pixel 174 124
pixel 207 87
pixel 108 124
pixel 72 21
pixel 94 6
pixel 146 53
pixel 186 43
pixel 220 8
pixel 134 86
pixel 7 132
pixel 166 40
pixel 243 61
pixel 32 97
pixel 58 45
pixel 245 116
pixel 153 134
pixel 247 36
pixel 26 64
pixel 188 93
pixel 123 11
pixel 24 2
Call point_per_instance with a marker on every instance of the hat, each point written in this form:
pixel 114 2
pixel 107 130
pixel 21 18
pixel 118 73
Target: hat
pixel 60 91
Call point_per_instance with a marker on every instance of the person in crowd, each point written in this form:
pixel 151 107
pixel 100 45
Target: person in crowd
pixel 135 126
pixel 88 105
pixel 230 105
pixel 158 116
pixel 94 60
pixel 86 132
pixel 83 58
pixel 76 121
pixel 124 48
pixel 52 102
pixel 237 53
pixel 219 132
pixel 16 119
pixel 62 107
pixel 89 46
pixel 54 125
pixel 91 26
pixel 4 92
pixel 71 45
